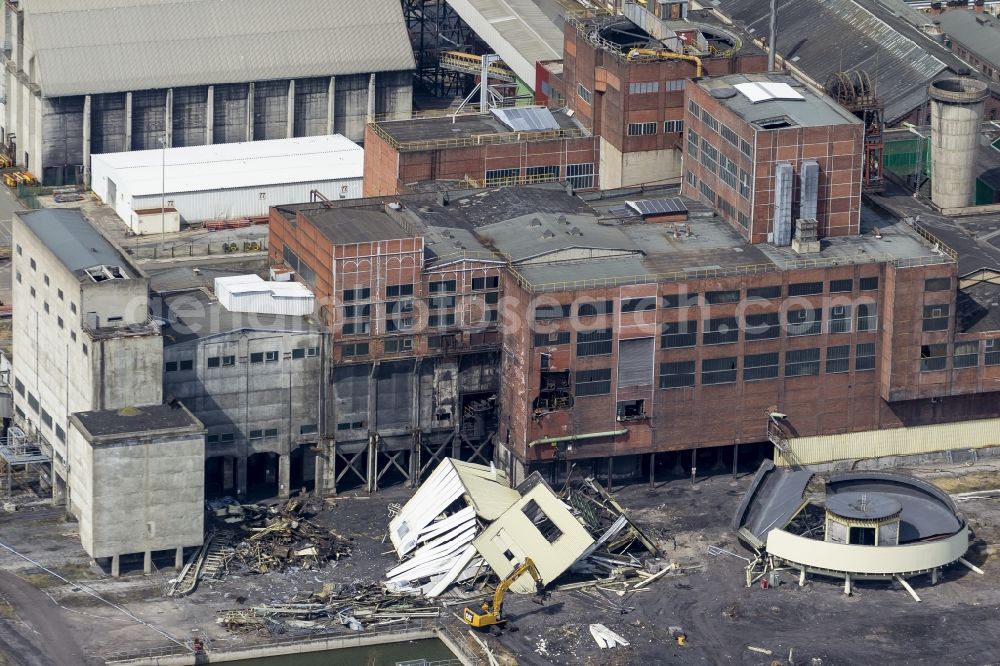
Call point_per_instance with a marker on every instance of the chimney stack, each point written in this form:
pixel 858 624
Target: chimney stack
pixel 956 114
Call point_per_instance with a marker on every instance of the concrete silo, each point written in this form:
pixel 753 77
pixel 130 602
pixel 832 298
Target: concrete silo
pixel 956 113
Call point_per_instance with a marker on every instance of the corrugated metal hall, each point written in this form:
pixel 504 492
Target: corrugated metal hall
pixel 106 76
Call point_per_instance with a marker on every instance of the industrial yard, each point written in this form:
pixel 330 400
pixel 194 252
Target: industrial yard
pixel 723 620
pixel 499 332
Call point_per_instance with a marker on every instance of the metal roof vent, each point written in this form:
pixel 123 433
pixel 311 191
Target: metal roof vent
pixel 562 219
pixel 447 234
pixel 575 231
pixel 548 233
pixel 723 92
pixel 535 222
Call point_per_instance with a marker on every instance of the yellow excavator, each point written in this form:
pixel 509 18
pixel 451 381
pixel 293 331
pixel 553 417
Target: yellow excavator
pixel 492 615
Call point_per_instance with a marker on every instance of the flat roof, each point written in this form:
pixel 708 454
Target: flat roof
pixel 811 110
pixel 75 242
pixel 196 314
pixel 224 166
pixel 556 241
pixel 341 225
pixel 423 133
pixel 131 421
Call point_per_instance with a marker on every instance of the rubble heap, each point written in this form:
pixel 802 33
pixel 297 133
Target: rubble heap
pixel 277 538
pixel 355 607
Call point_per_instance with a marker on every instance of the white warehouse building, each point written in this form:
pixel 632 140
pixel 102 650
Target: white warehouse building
pixel 224 181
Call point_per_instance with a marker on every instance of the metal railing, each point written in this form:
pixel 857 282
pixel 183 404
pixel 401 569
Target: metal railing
pixel 146 654
pixel 492 139
pixel 402 629
pixel 931 238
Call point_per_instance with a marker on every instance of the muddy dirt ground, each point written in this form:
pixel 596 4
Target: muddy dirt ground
pixel 956 622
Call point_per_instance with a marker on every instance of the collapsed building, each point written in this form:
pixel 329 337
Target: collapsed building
pixel 466 519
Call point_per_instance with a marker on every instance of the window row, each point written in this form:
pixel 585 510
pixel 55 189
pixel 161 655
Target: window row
pixel 645 87
pixel 694 299
pixel 797 363
pixel 965 355
pixel 580 176
pixel 768 325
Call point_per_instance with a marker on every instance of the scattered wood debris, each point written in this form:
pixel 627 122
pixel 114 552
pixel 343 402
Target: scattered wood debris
pixel 355 607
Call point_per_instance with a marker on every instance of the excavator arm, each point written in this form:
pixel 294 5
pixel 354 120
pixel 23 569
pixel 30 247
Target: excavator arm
pixel 493 615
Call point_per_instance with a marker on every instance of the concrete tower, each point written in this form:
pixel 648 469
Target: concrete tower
pixel 956 112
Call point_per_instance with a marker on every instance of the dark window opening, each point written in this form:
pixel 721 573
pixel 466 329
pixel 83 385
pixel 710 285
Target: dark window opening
pixel 631 410
pixel 542 522
pixel 554 391
pixel 861 536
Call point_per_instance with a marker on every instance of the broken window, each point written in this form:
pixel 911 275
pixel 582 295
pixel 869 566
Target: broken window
pixel 677 375
pixel 542 522
pixel 554 392
pixel 631 410
pixel 442 286
pixel 720 297
pixel 933 357
pixel 718 370
pixel 484 283
pixel 800 362
pixel 679 334
pixel 639 304
pixel 396 290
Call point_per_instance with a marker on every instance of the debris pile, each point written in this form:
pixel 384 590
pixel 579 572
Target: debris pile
pixel 276 539
pixel 355 607
pixel 257 539
pixel 466 520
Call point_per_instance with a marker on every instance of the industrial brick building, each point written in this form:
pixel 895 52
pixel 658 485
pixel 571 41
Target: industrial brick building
pixel 488 149
pixel 624 320
pixel 624 78
pixel 413 310
pixel 103 77
pixel 766 151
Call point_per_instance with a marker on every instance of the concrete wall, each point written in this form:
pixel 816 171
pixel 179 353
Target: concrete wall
pixel 61 362
pixel 139 494
pixel 234 400
pixel 126 370
pixel 127 299
pixel 637 168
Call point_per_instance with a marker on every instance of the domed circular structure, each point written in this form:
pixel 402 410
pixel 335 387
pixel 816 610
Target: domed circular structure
pixel 869 525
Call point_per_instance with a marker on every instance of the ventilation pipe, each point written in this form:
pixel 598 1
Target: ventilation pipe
pixel 772 39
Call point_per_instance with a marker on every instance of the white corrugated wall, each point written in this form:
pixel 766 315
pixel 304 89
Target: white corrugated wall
pixel 247 201
pixel 891 442
pixel 123 204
